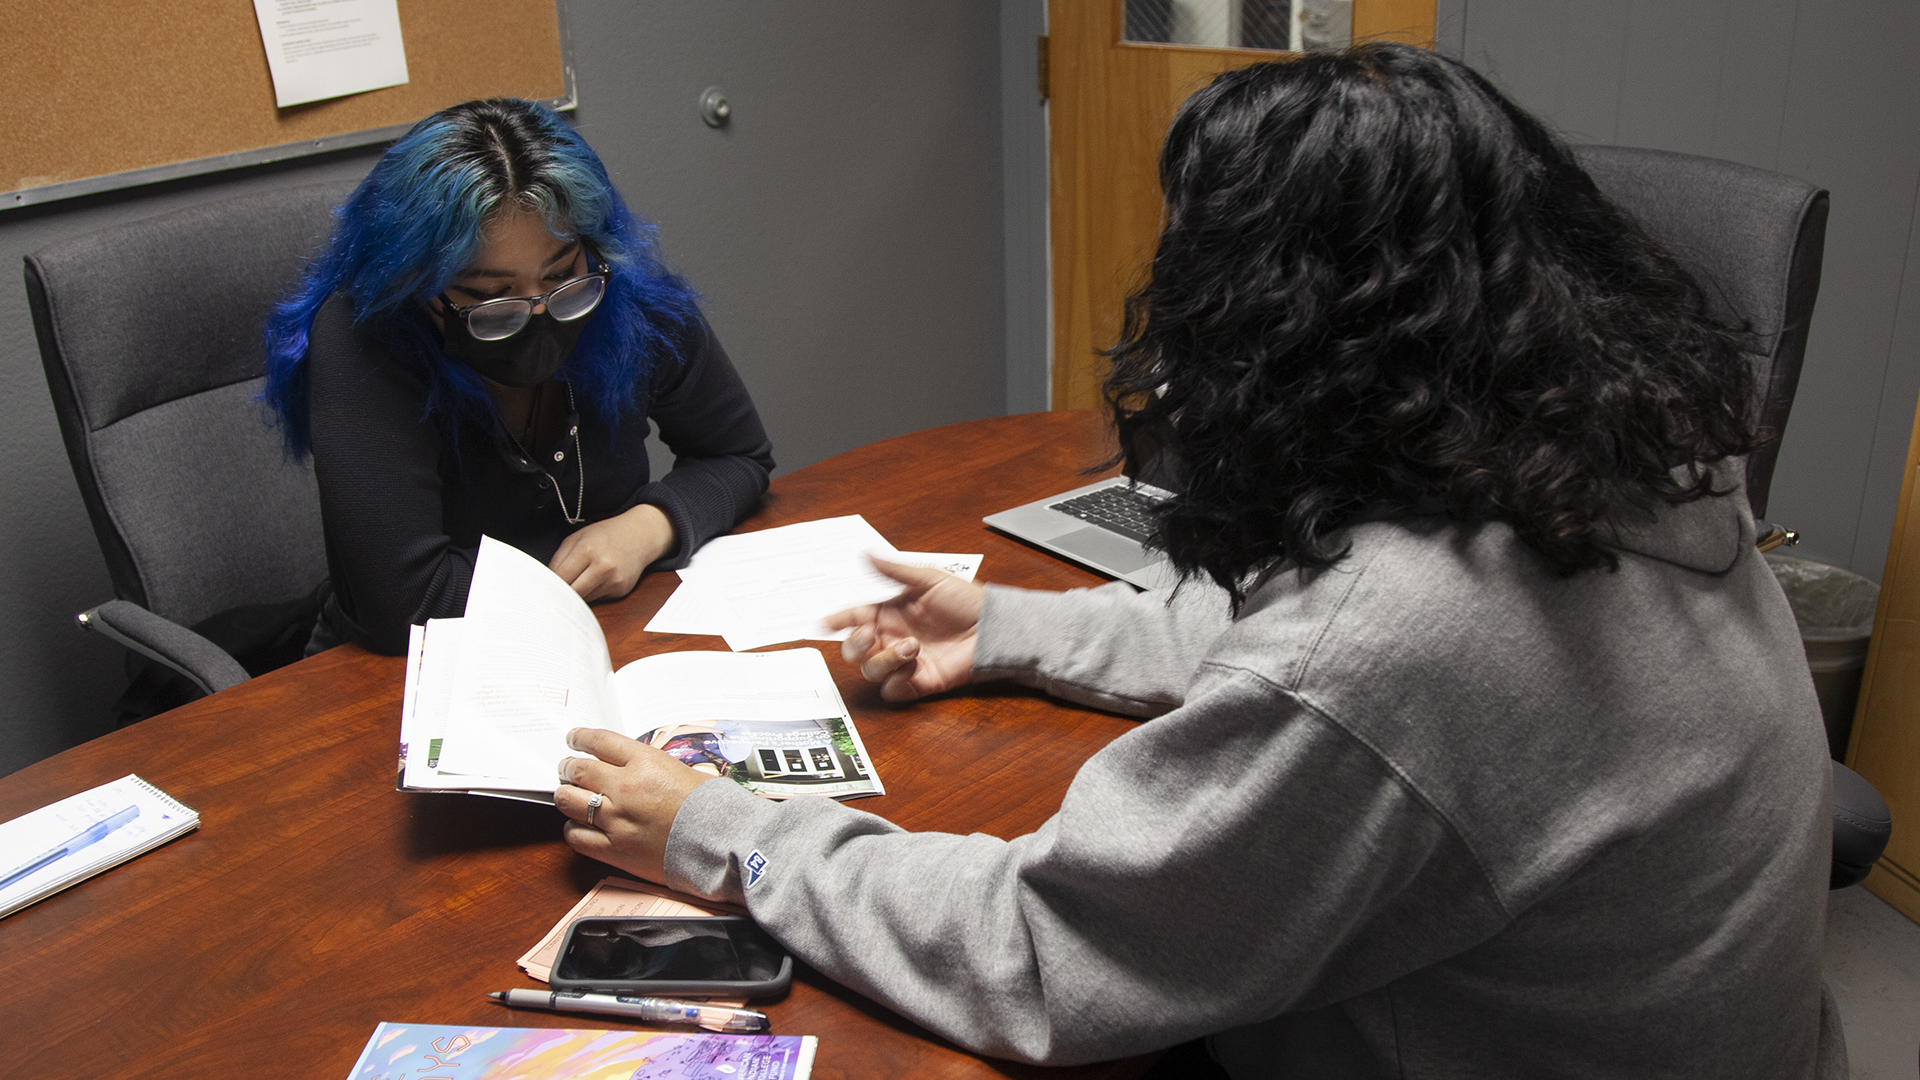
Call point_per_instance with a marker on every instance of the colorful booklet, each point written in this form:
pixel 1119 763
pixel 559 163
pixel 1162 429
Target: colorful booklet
pixel 69 841
pixel 490 698
pixel 485 1053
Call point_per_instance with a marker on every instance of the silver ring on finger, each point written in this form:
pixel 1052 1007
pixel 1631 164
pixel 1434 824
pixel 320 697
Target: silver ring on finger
pixel 593 803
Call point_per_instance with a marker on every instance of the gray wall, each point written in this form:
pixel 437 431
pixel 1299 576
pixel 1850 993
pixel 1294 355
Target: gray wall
pixel 846 230
pixel 845 225
pixel 1023 149
pixel 1823 91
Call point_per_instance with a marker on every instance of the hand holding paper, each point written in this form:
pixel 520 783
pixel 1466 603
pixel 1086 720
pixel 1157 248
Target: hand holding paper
pixel 780 584
pixel 919 642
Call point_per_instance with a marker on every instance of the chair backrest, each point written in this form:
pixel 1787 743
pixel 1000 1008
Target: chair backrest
pixel 1754 239
pixel 151 333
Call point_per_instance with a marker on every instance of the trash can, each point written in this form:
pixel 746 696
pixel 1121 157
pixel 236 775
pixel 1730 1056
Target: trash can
pixel 1834 608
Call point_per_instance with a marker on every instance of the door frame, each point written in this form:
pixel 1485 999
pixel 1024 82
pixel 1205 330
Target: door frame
pixel 1109 102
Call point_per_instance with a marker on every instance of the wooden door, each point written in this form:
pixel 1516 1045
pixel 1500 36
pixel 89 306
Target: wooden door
pixel 1110 102
pixel 1885 746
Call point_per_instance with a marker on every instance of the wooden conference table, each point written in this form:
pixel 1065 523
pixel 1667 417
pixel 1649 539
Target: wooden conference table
pixel 315 901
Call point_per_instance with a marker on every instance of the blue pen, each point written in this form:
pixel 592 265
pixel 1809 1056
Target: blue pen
pixel 87 837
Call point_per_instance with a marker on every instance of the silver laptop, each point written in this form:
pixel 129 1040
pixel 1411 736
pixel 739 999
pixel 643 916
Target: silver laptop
pixel 1102 526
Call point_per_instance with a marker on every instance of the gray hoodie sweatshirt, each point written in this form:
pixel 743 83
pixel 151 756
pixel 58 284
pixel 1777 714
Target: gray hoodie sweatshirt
pixel 1436 812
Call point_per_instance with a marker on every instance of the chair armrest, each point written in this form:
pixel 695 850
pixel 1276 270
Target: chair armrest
pixel 207 665
pixel 1861 825
pixel 1768 536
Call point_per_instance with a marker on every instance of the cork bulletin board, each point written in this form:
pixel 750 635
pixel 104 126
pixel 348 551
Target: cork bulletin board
pixel 103 94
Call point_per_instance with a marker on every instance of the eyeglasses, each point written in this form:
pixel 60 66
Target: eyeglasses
pixel 505 316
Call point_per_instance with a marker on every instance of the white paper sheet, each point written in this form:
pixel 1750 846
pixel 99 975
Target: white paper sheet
pixel 731 571
pixel 687 611
pixel 319 49
pixel 532 665
pixel 770 551
pixel 797 608
pixel 776 585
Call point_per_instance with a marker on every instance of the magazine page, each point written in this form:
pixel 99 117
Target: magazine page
pixel 773 723
pixel 532 665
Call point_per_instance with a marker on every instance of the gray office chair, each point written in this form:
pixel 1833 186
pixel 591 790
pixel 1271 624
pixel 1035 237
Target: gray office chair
pixel 1754 239
pixel 151 336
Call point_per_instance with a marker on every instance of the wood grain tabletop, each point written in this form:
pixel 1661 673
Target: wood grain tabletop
pixel 315 901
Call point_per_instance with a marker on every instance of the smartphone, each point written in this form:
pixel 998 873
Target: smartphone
pixel 706 956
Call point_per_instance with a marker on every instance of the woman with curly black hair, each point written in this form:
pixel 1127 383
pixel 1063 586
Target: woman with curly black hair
pixel 1443 316
pixel 1482 743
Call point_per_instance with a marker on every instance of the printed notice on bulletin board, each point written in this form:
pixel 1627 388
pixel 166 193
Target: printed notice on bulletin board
pixel 320 49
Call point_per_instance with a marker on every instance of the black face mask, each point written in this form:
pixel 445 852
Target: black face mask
pixel 527 358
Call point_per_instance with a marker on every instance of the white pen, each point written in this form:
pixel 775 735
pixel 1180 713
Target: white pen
pixel 653 1010
pixel 86 837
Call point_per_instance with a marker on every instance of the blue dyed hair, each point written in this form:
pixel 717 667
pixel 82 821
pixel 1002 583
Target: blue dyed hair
pixel 414 224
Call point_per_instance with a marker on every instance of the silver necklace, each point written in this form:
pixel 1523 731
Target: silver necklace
pixel 559 455
pixel 579 467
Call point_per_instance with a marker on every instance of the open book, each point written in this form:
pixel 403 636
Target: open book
pixel 490 698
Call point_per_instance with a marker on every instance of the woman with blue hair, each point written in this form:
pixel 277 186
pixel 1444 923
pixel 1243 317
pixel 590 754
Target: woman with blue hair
pixel 478 350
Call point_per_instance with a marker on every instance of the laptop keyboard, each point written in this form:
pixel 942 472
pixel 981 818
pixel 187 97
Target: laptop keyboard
pixel 1124 510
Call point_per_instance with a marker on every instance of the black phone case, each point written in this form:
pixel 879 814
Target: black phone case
pixel 713 988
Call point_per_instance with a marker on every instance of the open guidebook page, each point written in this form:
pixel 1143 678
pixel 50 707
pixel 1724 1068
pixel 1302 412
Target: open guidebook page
pixel 490 697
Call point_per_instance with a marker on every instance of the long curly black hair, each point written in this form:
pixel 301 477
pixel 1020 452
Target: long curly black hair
pixel 1383 289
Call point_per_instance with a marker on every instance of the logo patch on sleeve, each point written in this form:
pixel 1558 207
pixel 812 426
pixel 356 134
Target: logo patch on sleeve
pixel 756 868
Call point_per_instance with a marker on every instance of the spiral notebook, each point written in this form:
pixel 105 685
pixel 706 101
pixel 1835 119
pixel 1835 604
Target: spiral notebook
pixel 69 841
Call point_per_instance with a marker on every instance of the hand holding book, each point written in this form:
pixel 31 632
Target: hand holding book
pixel 490 698
pixel 639 791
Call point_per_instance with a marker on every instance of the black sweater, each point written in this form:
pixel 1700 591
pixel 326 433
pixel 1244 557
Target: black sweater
pixel 404 505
